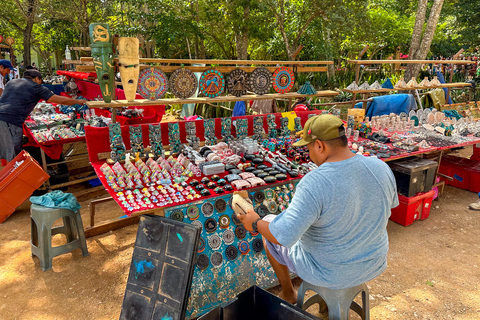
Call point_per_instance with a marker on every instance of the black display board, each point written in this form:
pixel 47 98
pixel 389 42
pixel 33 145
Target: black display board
pixel 161 271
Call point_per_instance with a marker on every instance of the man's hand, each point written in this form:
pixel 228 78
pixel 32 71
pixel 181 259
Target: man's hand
pixel 248 219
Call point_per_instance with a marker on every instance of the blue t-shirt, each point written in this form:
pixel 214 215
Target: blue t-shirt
pixel 335 226
pixel 19 98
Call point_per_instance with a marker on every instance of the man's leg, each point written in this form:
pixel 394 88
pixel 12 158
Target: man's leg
pixel 283 274
pixel 17 136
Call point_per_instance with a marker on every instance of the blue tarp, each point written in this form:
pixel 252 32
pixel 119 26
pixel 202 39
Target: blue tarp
pixel 240 109
pixel 395 103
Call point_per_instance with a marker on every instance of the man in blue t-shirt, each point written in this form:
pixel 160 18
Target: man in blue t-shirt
pixel 333 234
pixel 17 101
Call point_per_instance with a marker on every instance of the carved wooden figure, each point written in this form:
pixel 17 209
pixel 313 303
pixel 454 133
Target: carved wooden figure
pixel 128 59
pixel 102 54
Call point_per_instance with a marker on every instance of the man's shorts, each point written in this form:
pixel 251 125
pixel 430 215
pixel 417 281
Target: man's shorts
pixel 279 252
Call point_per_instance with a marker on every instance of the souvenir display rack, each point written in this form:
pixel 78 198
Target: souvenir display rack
pixel 448 86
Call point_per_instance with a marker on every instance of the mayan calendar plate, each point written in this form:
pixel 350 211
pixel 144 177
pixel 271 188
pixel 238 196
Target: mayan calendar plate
pixel 212 83
pixel 183 83
pixel 260 80
pixel 152 84
pixel 237 82
pixel 283 80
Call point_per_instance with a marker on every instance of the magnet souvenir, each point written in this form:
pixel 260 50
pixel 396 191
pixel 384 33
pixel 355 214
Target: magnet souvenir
pixel 102 54
pixel 283 80
pixel 128 62
pixel 260 81
pixel 153 83
pixel 212 83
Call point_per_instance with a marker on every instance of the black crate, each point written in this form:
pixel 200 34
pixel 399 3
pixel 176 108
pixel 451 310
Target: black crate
pixel 257 304
pixel 413 175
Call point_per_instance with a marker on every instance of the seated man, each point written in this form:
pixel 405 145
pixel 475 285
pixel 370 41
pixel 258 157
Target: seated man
pixel 333 234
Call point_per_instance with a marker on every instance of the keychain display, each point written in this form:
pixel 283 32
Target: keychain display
pixel 183 83
pixel 155 138
pixel 237 82
pixel 174 137
pixel 284 130
pixel 152 84
pixel 136 141
pixel 298 124
pixel 260 80
pixel 210 138
pixel 226 129
pixel 272 126
pixel 117 146
pixel 258 128
pixel 212 83
pixel 242 128
pixel 283 80
pixel 191 131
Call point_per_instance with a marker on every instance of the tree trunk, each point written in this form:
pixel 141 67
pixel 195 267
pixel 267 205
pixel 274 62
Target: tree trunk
pixel 241 35
pixel 424 48
pixel 27 35
pixel 416 36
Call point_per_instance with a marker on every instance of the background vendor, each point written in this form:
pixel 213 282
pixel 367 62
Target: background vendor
pixel 17 101
pixel 333 234
pixel 5 68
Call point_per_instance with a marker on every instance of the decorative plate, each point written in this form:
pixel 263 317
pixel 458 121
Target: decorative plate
pixel 237 82
pixel 260 80
pixel 152 84
pixel 283 80
pixel 212 83
pixel 183 83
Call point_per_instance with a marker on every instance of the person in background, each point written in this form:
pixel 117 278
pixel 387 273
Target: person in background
pixel 17 101
pixel 5 67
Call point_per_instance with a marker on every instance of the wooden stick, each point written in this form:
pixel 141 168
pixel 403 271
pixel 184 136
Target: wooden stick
pixel 411 61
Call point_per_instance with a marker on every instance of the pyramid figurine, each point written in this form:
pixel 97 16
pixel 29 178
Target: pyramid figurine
pixel 387 84
pixel 435 82
pixel 412 83
pixel 307 89
pixel 425 82
pixel 365 86
pixel 400 84
pixel 375 85
pixel 353 86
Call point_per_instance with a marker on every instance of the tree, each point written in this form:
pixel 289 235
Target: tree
pixel 420 44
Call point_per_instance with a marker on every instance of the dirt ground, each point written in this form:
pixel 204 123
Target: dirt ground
pixel 433 268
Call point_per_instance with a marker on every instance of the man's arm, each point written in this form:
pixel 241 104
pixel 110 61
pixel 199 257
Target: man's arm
pixel 262 226
pixel 65 100
pixel 1 91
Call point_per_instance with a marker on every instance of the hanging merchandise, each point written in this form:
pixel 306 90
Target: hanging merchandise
pixel 260 80
pixel 283 80
pixel 128 62
pixel 153 84
pixel 183 83
pixel 212 83
pixel 102 54
pixel 237 82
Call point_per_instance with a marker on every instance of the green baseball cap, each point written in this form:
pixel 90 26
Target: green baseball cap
pixel 322 127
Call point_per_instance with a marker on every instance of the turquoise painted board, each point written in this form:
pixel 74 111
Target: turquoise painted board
pixel 230 259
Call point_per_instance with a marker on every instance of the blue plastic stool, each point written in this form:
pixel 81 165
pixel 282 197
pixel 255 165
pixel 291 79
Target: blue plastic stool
pixel 339 302
pixel 42 220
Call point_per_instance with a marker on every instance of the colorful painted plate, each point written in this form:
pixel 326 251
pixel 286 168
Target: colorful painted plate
pixel 183 83
pixel 237 82
pixel 260 80
pixel 283 80
pixel 152 84
pixel 212 83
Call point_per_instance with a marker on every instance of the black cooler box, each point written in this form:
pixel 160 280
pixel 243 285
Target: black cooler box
pixel 413 175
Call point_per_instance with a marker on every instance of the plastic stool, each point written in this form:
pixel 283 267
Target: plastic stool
pixel 42 220
pixel 339 302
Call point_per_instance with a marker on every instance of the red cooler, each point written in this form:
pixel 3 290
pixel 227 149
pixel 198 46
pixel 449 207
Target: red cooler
pixel 413 208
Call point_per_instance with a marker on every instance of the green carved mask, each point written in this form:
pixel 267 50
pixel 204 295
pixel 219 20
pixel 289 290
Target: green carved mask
pixel 102 54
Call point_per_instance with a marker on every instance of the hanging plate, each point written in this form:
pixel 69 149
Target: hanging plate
pixel 283 80
pixel 183 83
pixel 237 82
pixel 212 83
pixel 152 84
pixel 260 80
